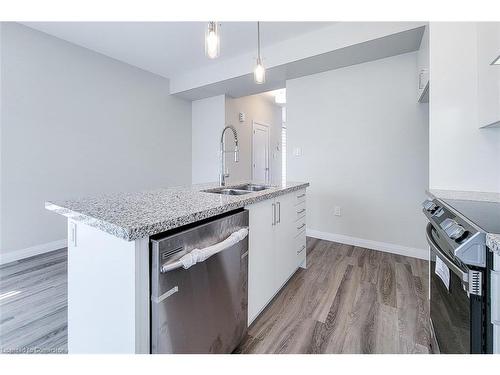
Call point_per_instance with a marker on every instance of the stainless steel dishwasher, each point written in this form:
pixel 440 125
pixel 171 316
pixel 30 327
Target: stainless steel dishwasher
pixel 200 305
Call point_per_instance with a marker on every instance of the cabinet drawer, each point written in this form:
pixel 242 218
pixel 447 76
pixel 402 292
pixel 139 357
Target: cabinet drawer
pixel 300 211
pixel 300 226
pixel 300 245
pixel 300 196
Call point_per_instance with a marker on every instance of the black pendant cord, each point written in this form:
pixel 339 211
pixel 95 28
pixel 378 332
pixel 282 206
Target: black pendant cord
pixel 258 40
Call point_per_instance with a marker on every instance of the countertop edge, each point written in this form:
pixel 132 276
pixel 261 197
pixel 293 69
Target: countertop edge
pixel 102 225
pixel 464 195
pixel 132 234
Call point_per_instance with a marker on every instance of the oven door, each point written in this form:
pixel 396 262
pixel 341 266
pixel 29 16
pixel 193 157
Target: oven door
pixel 455 313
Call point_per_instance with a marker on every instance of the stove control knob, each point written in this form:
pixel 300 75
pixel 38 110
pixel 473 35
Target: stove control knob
pixel 447 224
pixel 438 212
pixel 427 204
pixel 456 232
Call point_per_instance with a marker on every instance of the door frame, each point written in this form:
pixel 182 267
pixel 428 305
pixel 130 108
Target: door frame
pixel 268 156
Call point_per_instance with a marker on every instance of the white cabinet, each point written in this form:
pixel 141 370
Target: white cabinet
pixel 423 68
pixel 276 247
pixel 261 262
pixel 488 76
pixel 285 257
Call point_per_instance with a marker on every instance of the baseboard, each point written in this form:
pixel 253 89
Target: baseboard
pixel 369 244
pixel 11 256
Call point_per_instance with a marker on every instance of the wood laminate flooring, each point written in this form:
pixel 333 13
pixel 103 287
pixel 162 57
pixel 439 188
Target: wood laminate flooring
pixel 33 304
pixel 349 300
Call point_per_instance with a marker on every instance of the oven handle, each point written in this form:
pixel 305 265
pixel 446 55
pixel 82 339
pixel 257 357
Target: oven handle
pixel 464 276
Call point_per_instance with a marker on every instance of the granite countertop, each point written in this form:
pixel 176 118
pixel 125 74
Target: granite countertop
pixel 131 216
pixel 492 239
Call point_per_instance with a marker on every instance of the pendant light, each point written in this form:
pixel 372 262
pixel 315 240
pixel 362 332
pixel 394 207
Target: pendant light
pixel 212 40
pixel 259 73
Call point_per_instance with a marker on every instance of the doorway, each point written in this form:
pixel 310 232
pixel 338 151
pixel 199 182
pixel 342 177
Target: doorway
pixel 260 153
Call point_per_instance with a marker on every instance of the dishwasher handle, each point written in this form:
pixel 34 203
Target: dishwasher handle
pixel 200 255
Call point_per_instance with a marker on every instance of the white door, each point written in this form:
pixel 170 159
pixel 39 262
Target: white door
pixel 260 153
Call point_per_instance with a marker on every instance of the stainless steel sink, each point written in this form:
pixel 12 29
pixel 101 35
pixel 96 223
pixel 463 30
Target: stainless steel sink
pixel 225 191
pixel 238 190
pixel 252 187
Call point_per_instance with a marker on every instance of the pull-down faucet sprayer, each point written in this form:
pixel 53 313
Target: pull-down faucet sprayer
pixel 223 175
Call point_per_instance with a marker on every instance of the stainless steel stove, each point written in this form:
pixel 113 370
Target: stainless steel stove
pixel 459 273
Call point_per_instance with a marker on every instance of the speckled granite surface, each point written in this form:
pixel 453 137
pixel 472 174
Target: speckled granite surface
pixel 492 239
pixel 493 242
pixel 131 216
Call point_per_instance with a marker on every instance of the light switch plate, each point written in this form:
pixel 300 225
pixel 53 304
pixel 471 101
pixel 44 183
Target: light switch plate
pixel 297 151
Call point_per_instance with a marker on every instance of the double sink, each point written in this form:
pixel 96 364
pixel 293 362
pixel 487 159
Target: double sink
pixel 238 190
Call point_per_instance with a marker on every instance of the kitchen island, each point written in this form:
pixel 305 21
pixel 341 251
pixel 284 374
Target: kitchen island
pixel 109 254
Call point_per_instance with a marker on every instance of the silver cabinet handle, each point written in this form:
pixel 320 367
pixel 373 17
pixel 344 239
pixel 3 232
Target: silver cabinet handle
pixel 301 249
pixel 301 196
pixel 278 204
pixel 301 211
pixel 274 214
pixel 302 226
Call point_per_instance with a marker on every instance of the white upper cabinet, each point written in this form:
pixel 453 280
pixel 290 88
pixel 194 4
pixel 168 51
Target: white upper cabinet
pixel 488 76
pixel 423 68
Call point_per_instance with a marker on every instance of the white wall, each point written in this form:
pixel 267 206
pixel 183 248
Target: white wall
pixel 210 115
pixel 208 119
pixel 1 127
pixel 462 156
pixel 77 123
pixel 364 140
pixel 258 108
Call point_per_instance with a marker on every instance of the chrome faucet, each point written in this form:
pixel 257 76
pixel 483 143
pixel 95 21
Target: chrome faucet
pixel 223 175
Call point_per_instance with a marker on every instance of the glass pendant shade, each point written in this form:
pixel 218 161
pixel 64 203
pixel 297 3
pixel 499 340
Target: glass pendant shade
pixel 212 40
pixel 259 73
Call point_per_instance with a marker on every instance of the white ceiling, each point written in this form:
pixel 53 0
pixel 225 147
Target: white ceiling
pixel 170 48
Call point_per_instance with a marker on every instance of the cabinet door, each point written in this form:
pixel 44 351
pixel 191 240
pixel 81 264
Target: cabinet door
pixel 423 68
pixel 261 259
pixel 488 76
pixel 286 255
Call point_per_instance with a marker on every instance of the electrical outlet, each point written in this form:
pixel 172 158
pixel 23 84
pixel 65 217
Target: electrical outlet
pixel 336 211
